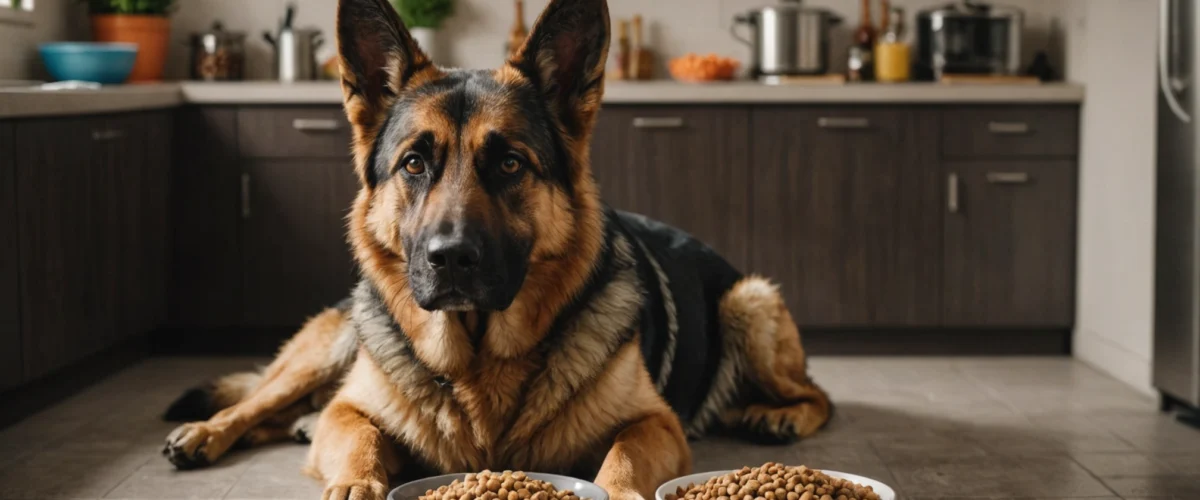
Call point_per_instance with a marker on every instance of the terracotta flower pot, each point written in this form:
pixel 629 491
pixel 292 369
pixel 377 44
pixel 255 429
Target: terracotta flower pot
pixel 150 33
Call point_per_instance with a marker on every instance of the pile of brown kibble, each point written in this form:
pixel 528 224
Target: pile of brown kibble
pixel 775 482
pixel 507 485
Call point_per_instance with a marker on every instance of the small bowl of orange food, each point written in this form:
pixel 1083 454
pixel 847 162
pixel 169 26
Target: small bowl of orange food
pixel 696 68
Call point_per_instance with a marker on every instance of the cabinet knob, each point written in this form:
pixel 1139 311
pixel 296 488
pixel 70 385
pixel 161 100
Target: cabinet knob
pixel 1008 128
pixel 952 193
pixel 844 122
pixel 658 122
pixel 105 135
pixel 1008 178
pixel 245 196
pixel 316 125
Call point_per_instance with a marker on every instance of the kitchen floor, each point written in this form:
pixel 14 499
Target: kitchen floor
pixel 933 428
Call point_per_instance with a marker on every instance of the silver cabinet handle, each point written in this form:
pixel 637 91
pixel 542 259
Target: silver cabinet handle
pixel 952 193
pixel 316 125
pixel 245 196
pixel 110 134
pixel 1008 178
pixel 664 122
pixel 1008 128
pixel 843 123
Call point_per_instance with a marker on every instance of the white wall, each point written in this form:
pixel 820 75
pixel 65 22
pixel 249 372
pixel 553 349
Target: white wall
pixel 1112 45
pixel 474 37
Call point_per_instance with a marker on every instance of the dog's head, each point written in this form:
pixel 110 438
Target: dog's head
pixel 470 177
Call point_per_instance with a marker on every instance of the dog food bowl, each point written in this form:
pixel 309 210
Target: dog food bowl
pixel 885 492
pixel 582 489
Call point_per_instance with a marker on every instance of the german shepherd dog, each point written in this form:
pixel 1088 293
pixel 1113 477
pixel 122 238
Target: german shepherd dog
pixel 506 318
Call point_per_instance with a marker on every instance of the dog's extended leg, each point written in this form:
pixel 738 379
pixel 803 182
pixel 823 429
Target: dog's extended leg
pixel 314 357
pixel 794 406
pixel 646 454
pixel 351 454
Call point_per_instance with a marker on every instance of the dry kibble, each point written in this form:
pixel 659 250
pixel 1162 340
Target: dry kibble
pixel 508 485
pixel 773 481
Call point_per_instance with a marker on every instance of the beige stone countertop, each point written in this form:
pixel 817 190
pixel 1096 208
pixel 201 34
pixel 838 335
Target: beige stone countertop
pixel 667 92
pixel 15 102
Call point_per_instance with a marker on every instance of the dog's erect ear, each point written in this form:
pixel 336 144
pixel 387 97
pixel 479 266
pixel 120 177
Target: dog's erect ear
pixel 378 58
pixel 565 56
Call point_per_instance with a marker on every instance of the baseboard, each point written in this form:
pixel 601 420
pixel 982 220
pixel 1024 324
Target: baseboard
pixel 32 397
pixel 935 342
pixel 220 341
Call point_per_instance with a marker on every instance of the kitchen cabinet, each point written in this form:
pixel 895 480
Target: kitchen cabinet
pixel 847 213
pixel 686 166
pixel 206 278
pixel 296 259
pixel 67 222
pixel 1010 244
pixel 11 371
pixel 92 227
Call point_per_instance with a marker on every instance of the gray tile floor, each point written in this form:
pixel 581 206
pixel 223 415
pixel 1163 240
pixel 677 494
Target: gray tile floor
pixel 934 428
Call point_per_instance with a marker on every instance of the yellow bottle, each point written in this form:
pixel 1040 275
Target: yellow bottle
pixel 892 56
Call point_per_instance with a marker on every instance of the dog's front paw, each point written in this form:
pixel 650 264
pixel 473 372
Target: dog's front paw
pixel 194 445
pixel 355 490
pixel 625 495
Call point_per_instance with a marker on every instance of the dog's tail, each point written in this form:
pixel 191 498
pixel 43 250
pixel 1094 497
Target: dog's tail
pixel 201 403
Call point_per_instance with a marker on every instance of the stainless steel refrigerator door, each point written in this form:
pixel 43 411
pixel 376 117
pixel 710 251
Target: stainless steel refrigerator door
pixel 1177 273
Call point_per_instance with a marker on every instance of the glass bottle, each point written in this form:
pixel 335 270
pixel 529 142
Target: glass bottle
pixel 892 63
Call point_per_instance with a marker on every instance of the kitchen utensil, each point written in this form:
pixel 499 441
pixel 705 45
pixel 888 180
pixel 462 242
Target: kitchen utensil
pixel 106 63
pixel 885 492
pixel 295 51
pixel 968 37
pixel 218 55
pixel 788 39
pixel 582 489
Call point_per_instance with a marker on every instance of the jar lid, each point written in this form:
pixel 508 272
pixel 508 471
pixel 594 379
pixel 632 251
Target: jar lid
pixel 218 35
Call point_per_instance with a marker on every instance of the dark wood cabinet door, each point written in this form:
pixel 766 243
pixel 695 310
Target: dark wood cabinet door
pixel 847 213
pixel 685 166
pixel 140 169
pixel 10 320
pixel 1010 246
pixel 206 252
pixel 297 260
pixel 69 250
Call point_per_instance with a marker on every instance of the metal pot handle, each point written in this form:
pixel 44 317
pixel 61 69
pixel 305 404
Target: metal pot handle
pixel 733 28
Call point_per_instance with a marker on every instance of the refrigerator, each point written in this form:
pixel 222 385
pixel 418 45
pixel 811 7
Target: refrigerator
pixel 1177 235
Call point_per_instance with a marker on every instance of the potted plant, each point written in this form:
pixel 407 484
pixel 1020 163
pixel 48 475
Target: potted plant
pixel 423 18
pixel 141 22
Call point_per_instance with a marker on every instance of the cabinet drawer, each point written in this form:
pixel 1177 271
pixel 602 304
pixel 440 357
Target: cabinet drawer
pixel 293 132
pixel 992 132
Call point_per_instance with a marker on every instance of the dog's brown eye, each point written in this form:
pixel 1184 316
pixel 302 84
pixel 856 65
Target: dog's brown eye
pixel 511 165
pixel 414 165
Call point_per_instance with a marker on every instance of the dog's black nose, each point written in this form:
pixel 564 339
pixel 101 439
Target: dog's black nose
pixel 454 253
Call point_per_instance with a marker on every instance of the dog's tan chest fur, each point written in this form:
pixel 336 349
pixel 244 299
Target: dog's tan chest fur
pixel 487 419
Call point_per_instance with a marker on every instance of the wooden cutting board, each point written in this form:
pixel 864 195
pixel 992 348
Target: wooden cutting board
pixel 989 80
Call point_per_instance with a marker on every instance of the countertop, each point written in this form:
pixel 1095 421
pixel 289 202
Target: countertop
pixel 16 102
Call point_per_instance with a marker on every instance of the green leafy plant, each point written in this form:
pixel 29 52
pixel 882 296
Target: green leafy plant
pixel 139 7
pixel 424 13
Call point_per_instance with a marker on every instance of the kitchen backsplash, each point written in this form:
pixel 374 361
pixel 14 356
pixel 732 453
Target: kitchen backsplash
pixel 19 41
pixel 474 37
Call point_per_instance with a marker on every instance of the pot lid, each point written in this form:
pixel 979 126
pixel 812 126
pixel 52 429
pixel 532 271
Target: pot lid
pixel 789 6
pixel 975 10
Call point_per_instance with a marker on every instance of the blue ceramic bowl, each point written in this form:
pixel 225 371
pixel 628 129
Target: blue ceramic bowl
pixel 106 63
